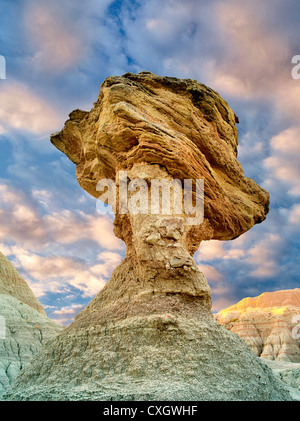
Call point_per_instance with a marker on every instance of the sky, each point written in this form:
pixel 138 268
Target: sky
pixel 57 54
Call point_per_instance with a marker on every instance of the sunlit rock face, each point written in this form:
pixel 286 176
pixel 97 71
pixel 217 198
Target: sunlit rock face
pixel 181 125
pixel 24 327
pixel 149 334
pixel 269 323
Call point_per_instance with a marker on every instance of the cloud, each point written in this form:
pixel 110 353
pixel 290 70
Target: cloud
pixel 73 309
pixel 294 215
pixel 263 256
pixel 22 109
pixel 210 250
pixel 65 315
pixel 22 221
pixel 57 252
pixel 55 38
pixel 282 165
pixel 214 249
pixel 256 54
pixel 57 274
pixel 219 287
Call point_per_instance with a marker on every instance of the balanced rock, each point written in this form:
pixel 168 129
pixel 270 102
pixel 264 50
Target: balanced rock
pixel 149 334
pixel 24 327
pixel 162 128
pixel 268 323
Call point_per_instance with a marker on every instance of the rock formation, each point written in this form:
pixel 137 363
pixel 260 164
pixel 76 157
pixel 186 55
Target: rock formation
pixel 12 283
pixel 149 334
pixel 288 373
pixel 267 324
pixel 24 327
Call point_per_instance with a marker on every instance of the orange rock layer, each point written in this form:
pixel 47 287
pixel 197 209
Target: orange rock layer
pixel 268 323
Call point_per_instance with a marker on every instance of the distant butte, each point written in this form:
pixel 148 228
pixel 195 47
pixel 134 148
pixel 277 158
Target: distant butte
pixel 266 323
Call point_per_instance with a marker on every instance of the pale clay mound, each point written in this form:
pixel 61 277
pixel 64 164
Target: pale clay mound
pixel 149 333
pixel 267 323
pixel 148 358
pixel 24 327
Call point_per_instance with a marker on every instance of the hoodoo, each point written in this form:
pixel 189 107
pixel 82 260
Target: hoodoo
pixel 149 334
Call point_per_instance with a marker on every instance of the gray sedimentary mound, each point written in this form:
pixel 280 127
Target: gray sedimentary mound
pixel 149 334
pixel 268 323
pixel 148 358
pixel 288 373
pixel 24 327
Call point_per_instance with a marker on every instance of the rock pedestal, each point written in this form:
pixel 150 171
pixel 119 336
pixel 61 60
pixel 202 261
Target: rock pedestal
pixel 149 334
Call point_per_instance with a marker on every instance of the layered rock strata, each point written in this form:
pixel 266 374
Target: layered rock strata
pixel 149 334
pixel 24 327
pixel 268 323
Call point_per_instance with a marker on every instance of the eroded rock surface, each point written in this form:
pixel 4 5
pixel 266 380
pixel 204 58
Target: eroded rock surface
pixel 12 283
pixel 149 334
pixel 157 357
pixel 288 373
pixel 162 128
pixel 24 327
pixel 184 127
pixel 268 323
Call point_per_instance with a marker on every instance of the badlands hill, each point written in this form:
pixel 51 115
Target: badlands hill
pixel 24 326
pixel 268 323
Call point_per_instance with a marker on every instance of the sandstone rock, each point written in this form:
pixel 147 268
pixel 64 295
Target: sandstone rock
pixel 180 125
pixel 24 327
pixel 266 323
pixel 149 333
pixel 162 128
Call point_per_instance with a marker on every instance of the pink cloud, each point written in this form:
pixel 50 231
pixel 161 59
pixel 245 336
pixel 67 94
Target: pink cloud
pixel 209 250
pixel 212 274
pixel 57 40
pixel 56 274
pixel 24 110
pixel 263 256
pixel 22 221
pixel 283 163
pixel 256 54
